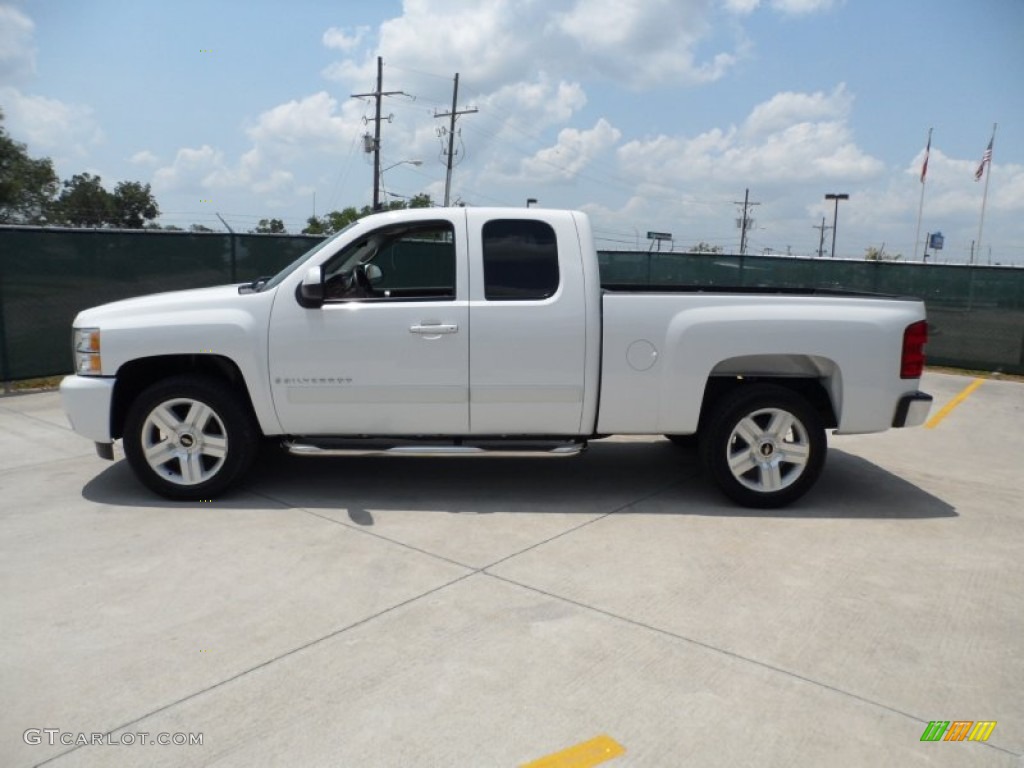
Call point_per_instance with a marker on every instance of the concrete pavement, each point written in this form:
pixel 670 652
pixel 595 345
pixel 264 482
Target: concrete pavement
pixel 454 612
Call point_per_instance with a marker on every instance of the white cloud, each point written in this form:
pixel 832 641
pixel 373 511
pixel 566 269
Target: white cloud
pixel 741 7
pixel 17 53
pixel 144 157
pixel 340 40
pixel 789 108
pixel 50 126
pixel 800 7
pixel 791 137
pixel 531 105
pixel 190 170
pixel 297 134
pixel 791 7
pixel 641 45
pixel 313 123
pixel 573 152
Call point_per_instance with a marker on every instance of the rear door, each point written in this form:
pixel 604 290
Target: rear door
pixel 528 348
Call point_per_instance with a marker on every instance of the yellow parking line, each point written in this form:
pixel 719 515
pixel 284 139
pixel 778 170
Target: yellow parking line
pixel 933 422
pixel 585 755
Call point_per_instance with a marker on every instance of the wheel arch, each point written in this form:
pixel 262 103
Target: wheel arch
pixel 137 375
pixel 817 379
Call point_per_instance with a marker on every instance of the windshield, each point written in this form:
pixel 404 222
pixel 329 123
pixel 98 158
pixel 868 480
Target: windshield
pixel 280 276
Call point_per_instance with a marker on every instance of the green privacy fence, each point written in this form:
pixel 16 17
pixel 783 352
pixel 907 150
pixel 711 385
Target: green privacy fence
pixel 47 276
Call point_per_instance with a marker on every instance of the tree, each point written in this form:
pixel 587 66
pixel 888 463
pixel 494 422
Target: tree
pixel 27 186
pixel 335 221
pixel 314 226
pixel 270 227
pixel 84 202
pixel 133 205
pixel 199 228
pixel 703 247
pixel 878 254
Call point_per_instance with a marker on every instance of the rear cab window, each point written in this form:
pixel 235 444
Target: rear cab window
pixel 520 260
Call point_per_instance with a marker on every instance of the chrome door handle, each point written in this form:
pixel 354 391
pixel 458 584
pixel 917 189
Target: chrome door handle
pixel 434 330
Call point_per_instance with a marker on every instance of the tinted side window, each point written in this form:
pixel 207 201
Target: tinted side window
pixel 520 260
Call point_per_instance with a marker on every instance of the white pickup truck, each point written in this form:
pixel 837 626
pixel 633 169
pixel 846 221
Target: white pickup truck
pixel 469 331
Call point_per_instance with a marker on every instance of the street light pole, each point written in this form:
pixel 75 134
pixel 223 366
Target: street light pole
pixel 835 215
pixel 394 165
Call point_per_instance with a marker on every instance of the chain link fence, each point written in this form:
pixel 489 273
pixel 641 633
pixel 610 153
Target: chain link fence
pixel 47 276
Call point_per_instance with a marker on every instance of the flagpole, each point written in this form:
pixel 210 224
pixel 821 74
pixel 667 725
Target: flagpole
pixel 984 197
pixel 920 207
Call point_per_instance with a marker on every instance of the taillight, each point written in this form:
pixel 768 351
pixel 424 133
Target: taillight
pixel 912 361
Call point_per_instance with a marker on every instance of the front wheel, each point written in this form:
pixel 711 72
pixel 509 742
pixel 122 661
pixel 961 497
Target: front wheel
pixel 765 447
pixel 188 438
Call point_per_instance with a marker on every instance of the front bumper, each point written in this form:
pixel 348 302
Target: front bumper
pixel 87 401
pixel 912 410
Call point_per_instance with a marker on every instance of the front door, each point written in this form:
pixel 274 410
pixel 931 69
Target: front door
pixel 388 352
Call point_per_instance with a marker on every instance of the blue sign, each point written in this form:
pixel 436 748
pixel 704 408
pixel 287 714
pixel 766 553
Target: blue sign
pixel 935 241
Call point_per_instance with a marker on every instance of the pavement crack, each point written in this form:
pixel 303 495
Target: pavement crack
pixel 731 654
pixel 365 531
pixel 658 491
pixel 268 662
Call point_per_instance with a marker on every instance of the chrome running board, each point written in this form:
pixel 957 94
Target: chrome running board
pixel 334 447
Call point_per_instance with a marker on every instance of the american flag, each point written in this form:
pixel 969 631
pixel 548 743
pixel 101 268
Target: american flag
pixel 927 151
pixel 986 159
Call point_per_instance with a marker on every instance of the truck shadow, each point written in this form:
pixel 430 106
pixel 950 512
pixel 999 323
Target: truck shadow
pixel 628 477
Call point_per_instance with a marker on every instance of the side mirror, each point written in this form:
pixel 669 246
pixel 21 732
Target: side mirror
pixel 373 273
pixel 311 289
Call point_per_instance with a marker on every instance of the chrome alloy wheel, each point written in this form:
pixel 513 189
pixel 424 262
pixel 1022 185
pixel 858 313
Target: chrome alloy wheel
pixel 768 450
pixel 184 441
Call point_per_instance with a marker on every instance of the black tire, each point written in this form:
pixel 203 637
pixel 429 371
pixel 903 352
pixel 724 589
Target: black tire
pixel 189 437
pixel 764 446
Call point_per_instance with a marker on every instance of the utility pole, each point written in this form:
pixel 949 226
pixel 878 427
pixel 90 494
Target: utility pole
pixel 744 223
pixel 451 136
pixel 375 147
pixel 835 216
pixel 821 240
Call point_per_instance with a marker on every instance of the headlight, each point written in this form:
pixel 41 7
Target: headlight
pixel 87 352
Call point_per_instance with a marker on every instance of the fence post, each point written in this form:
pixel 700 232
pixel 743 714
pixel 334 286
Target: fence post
pixel 970 286
pixel 234 258
pixel 5 369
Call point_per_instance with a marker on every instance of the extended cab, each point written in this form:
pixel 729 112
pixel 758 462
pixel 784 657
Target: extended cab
pixel 467 330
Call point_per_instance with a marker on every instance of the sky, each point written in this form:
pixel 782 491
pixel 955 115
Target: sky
pixel 650 115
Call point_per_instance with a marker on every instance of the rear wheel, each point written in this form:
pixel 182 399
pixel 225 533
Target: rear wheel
pixel 765 446
pixel 188 437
